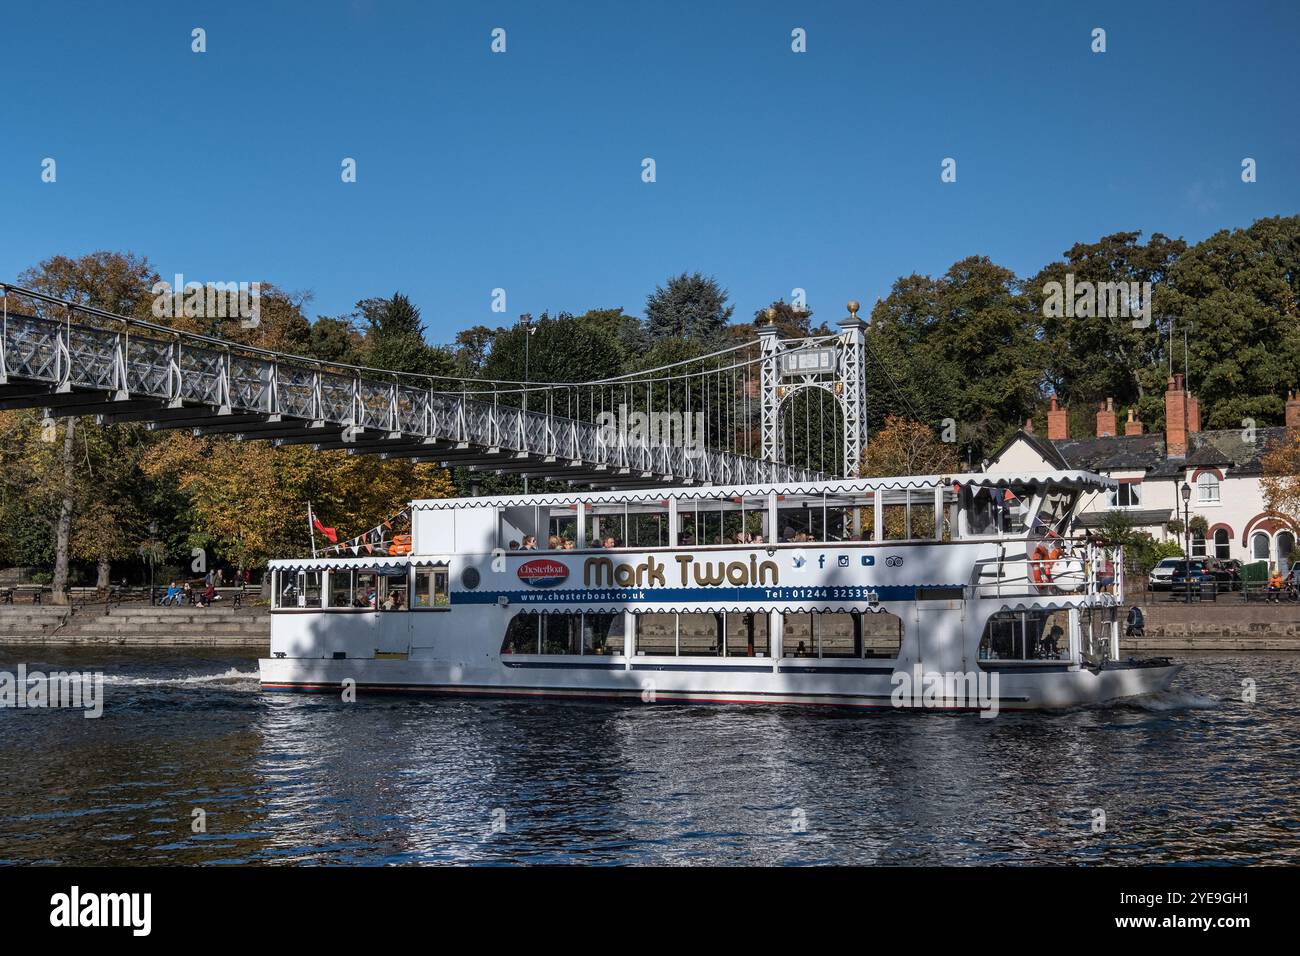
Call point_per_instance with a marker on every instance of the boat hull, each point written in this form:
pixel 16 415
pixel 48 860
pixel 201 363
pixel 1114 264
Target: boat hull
pixel 793 683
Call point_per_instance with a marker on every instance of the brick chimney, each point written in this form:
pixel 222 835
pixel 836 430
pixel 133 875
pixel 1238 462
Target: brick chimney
pixel 1193 414
pixel 1106 419
pixel 1058 423
pixel 1293 409
pixel 1175 418
pixel 1132 426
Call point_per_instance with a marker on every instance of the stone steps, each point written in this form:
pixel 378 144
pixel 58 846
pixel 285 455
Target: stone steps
pixel 145 626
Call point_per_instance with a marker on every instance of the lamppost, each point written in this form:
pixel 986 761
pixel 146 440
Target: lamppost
pixel 526 320
pixel 151 553
pixel 1186 492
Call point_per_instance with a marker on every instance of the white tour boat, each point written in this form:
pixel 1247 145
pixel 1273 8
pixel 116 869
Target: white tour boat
pixel 963 591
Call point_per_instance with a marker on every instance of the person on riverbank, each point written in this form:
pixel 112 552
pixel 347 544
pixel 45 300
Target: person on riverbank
pixel 1136 623
pixel 1276 585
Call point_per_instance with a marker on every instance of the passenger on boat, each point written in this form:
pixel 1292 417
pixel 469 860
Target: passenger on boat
pixel 609 544
pixel 554 542
pixel 530 542
pixel 801 650
pixel 514 545
pixel 568 544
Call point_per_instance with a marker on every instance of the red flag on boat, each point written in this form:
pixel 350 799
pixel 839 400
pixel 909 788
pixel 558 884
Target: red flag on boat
pixel 331 533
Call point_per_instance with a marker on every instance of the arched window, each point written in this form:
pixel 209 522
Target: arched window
pixel 1207 488
pixel 1285 547
pixel 1222 544
pixel 1259 546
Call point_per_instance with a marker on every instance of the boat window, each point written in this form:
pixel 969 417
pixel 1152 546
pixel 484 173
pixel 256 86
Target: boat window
pixel 699 634
pixel 285 590
pixel 882 634
pixel 656 634
pixel 520 528
pixel 602 633
pixel 431 588
pixel 341 581
pixel 1033 635
pixel 561 528
pixel 606 521
pixel 523 634
pixel 801 519
pixel 561 633
pixel 1095 628
pixel 647 524
pixel 366 592
pixel 702 521
pixel 747 635
pixel 848 634
pixel 311 589
pixel 1054 515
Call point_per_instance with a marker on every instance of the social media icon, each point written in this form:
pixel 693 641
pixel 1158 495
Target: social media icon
pixel 844 560
pixel 868 560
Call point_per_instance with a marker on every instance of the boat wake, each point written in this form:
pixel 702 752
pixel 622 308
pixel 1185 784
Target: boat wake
pixel 1169 700
pixel 232 677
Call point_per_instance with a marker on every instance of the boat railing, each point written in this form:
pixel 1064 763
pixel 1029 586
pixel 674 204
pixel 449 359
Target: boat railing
pixel 1032 568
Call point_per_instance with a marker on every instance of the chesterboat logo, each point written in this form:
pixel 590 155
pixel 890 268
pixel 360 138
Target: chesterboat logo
pixel 543 573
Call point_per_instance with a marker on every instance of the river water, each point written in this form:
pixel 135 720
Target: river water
pixel 1194 775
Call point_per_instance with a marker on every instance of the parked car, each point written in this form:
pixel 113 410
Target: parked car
pixel 1225 575
pixel 1159 578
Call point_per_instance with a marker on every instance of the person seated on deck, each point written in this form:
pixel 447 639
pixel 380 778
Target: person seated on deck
pixel 687 540
pixel 553 542
pixel 609 544
pixel 514 545
pixel 567 544
pixel 530 542
pixel 1275 586
pixel 756 539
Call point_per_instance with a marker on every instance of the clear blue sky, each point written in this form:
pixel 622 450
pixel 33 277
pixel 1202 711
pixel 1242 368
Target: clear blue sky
pixel 775 170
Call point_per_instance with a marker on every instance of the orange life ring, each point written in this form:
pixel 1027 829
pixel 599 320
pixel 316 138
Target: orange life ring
pixel 1042 561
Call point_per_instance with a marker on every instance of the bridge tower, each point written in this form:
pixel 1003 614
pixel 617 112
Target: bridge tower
pixel 837 366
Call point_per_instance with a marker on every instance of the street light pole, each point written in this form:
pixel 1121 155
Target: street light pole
pixel 1186 492
pixel 527 321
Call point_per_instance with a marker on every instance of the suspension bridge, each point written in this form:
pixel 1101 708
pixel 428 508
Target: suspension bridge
pixel 729 417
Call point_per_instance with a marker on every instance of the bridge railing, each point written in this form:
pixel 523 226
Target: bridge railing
pixel 138 359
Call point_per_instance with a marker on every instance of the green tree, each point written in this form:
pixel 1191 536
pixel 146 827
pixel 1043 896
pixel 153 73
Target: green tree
pixel 395 338
pixel 1237 295
pixel 688 306
pixel 1090 358
pixel 962 347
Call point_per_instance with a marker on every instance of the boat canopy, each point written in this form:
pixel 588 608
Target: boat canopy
pixel 1074 480
pixel 374 563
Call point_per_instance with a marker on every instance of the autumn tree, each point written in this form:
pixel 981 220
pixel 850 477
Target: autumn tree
pixel 905 447
pixel 1281 480
pixel 115 282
